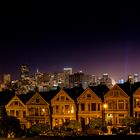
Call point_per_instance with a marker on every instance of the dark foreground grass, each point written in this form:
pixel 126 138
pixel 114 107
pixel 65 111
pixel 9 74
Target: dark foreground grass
pixel 96 137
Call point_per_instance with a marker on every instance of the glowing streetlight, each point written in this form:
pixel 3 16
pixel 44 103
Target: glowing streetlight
pixel 105 106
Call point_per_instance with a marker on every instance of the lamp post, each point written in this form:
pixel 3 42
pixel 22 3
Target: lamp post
pixel 103 114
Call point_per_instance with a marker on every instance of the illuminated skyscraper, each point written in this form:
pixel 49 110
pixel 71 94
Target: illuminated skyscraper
pixel 67 73
pixel 130 78
pixel 106 80
pixel 77 79
pixel 133 78
pixel 24 71
pixel 6 79
pixel 136 77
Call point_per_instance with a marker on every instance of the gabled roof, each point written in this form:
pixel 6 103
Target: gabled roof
pixel 17 98
pixel 88 90
pixel 137 92
pixel 128 88
pixel 122 93
pixel 49 94
pixel 100 90
pixel 63 93
pixel 25 97
pixel 36 96
pixel 75 92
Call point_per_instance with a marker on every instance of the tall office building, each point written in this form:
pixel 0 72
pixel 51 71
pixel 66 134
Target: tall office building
pixel 6 79
pixel 133 78
pixel 106 80
pixel 136 78
pixel 24 71
pixel 76 79
pixel 67 73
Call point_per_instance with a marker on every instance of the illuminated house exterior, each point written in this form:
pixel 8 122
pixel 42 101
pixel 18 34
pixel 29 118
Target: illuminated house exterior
pixel 63 109
pixel 136 103
pixel 118 105
pixel 38 110
pixel 18 109
pixel 89 106
pixel 57 107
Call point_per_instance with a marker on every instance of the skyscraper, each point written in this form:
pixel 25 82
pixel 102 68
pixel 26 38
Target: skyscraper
pixel 77 79
pixel 67 73
pixel 24 71
pixel 6 79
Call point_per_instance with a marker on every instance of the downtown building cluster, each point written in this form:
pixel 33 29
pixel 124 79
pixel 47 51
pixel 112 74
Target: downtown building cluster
pixel 47 81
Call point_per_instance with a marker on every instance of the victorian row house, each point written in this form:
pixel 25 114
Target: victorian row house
pixel 57 107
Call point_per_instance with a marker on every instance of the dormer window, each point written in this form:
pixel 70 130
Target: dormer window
pixel 37 100
pixel 62 98
pixel 88 96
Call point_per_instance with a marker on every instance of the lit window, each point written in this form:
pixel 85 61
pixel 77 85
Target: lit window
pixel 72 109
pixel 42 113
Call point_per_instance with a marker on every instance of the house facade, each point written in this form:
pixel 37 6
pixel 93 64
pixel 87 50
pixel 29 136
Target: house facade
pixel 89 106
pixel 18 109
pixel 63 109
pixel 136 103
pixel 38 110
pixel 118 105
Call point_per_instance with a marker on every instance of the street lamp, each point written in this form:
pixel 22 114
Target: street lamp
pixel 103 114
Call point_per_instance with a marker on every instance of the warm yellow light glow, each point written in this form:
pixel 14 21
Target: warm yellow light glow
pixel 72 110
pixel 43 109
pixel 105 106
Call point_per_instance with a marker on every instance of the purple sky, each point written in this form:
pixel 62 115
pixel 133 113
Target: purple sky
pixel 100 41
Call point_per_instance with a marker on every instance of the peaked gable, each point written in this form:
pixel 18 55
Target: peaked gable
pixel 37 99
pixel 116 92
pixel 15 102
pixel 137 92
pixel 62 96
pixel 88 94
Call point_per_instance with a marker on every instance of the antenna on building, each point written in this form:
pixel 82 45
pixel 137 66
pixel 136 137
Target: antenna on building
pixel 37 70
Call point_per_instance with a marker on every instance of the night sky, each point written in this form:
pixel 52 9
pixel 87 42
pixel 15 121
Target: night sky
pixel 96 39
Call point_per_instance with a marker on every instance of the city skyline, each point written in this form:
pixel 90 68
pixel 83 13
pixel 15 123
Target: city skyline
pixel 101 40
